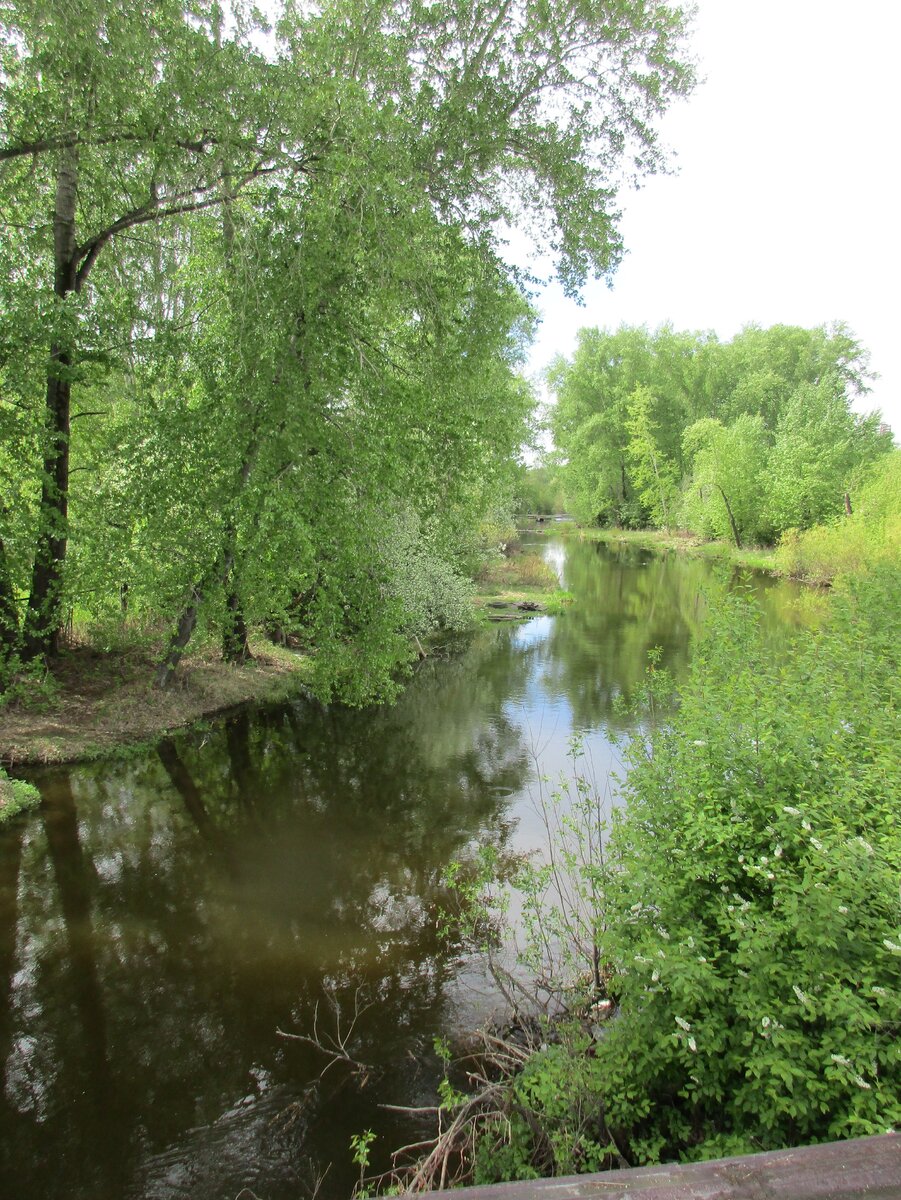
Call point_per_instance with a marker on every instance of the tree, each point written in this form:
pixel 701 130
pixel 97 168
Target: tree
pixel 115 120
pixel 365 139
pixel 655 476
pixel 819 444
pixel 725 492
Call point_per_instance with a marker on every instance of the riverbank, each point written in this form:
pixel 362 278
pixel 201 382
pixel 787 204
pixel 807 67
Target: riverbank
pixel 103 703
pixel 758 558
pixel 518 585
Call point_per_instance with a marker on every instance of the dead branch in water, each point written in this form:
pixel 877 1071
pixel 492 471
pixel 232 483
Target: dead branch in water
pixel 335 1046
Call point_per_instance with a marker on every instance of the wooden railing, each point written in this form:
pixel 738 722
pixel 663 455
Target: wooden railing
pixel 862 1169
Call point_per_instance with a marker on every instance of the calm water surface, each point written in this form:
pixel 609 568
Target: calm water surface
pixel 162 920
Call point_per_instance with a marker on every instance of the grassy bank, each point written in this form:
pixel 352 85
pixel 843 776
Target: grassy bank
pixel 518 585
pixel 98 703
pixel 758 558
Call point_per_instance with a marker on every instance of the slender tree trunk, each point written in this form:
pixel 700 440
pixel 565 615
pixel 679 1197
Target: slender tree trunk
pixel 235 646
pixel 731 517
pixel 660 493
pixel 182 635
pixel 9 613
pixel 42 617
pixel 848 509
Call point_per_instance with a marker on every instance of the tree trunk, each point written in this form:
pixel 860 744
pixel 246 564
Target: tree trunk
pixel 731 517
pixel 180 638
pixel 235 646
pixel 848 510
pixel 42 617
pixel 9 613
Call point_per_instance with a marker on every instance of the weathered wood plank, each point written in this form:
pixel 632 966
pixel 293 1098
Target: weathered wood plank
pixel 864 1167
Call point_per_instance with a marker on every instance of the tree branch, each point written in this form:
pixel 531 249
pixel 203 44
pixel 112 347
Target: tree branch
pixel 158 208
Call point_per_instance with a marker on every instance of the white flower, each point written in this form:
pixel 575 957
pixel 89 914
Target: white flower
pixel 841 1060
pixel 802 996
pixel 843 908
pixel 795 812
pixel 692 1045
pixel 683 1024
pixel 765 1022
pixel 891 946
pixel 806 825
pixel 816 843
pixel 862 1083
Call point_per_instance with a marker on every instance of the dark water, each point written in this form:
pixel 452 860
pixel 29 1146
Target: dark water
pixel 161 920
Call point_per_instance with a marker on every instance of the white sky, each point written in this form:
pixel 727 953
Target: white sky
pixel 785 206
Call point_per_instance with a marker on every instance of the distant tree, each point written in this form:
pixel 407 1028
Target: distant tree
pixel 655 477
pixel 819 445
pixel 724 496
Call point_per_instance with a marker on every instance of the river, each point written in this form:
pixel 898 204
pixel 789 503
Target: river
pixel 163 918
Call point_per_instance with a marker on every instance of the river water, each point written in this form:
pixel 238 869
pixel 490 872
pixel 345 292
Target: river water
pixel 162 919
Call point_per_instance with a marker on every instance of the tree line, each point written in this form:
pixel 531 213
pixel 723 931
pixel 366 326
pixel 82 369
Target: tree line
pixel 259 345
pixel 741 440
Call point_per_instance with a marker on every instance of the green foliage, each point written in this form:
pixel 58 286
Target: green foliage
pixel 851 544
pixel 724 497
pixel 538 491
pixel 555 1125
pixel 654 476
pixel 16 796
pixel 277 324
pixel 818 446
pixel 742 913
pixel 360 1144
pixel 761 426
pixel 756 895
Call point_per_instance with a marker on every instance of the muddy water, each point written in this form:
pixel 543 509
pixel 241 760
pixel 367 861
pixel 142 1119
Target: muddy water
pixel 164 921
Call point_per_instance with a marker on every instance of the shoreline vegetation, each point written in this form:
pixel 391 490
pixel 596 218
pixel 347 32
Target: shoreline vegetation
pixel 708 968
pixel 99 701
pixel 755 557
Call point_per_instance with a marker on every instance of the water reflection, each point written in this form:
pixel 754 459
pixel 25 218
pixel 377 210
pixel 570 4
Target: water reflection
pixel 161 920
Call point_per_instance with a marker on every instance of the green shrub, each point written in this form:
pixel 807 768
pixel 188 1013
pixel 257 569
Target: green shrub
pixel 16 796
pixel 753 913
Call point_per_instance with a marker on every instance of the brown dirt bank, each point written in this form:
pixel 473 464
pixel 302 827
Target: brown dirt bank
pixel 99 702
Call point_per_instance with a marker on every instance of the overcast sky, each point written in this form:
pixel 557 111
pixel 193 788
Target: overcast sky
pixel 785 206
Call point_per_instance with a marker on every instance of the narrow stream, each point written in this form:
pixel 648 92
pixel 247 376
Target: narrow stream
pixel 162 919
